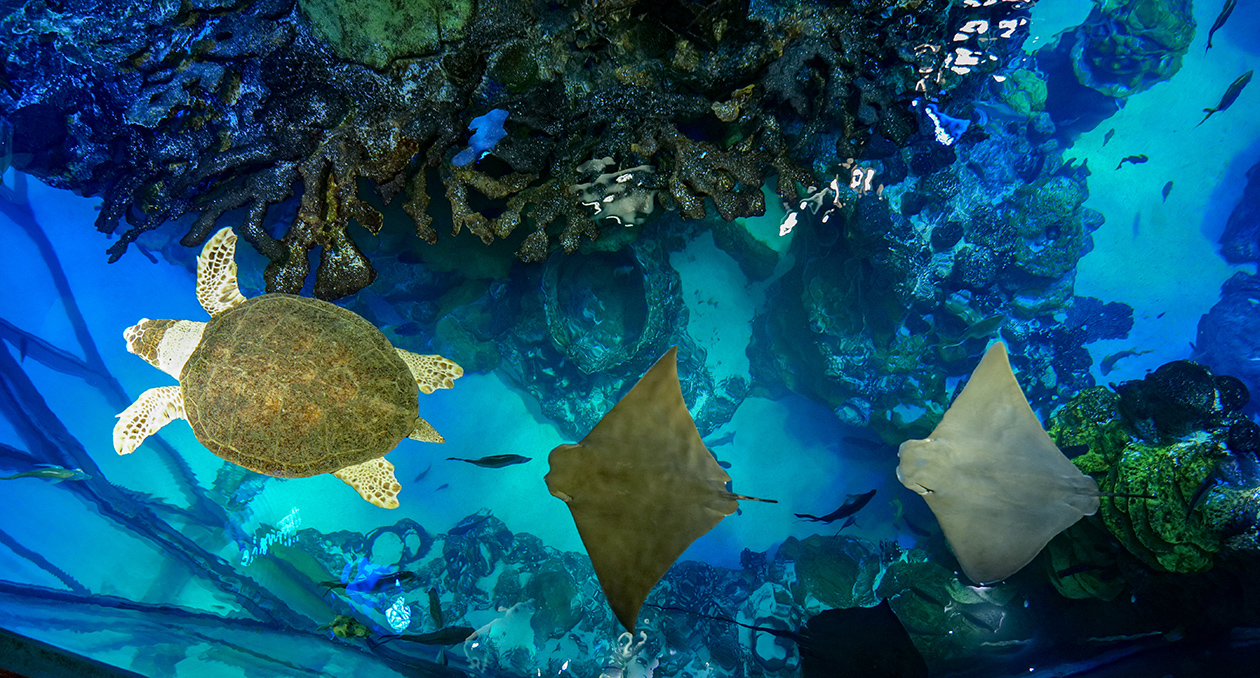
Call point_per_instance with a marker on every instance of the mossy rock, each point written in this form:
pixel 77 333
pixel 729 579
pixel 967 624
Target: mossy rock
pixel 1024 91
pixel 1050 226
pixel 827 567
pixel 1162 532
pixel 376 32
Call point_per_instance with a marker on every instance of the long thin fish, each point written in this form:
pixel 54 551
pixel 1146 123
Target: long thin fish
pixel 494 460
pixel 852 505
pixel 1220 21
pixel 1231 95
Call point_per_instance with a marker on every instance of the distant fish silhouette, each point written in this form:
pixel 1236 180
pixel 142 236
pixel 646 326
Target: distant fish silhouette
pixel 53 473
pixel 1167 190
pixel 1107 137
pixel 494 460
pixel 424 473
pixel 1135 159
pixel 1109 363
pixel 1231 95
pixel 1220 21
pixel 452 635
pixel 852 505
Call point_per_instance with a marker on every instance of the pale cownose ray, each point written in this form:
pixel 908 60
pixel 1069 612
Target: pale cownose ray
pixel 998 485
pixel 642 487
pixel 283 385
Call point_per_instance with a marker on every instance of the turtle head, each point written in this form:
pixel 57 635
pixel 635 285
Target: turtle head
pixel 164 344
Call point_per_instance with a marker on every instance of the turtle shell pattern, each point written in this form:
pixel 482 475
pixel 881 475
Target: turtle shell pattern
pixel 294 387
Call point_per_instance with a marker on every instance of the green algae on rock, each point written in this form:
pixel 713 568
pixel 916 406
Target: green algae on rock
pixel 1162 532
pixel 376 32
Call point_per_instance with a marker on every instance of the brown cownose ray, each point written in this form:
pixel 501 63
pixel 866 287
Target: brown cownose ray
pixel 999 487
pixel 641 487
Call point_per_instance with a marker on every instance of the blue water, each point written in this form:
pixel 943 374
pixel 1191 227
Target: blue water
pixel 170 562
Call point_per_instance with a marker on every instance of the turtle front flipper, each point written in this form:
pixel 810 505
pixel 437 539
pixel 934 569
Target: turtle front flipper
pixel 154 409
pixel 431 371
pixel 374 481
pixel 425 433
pixel 216 274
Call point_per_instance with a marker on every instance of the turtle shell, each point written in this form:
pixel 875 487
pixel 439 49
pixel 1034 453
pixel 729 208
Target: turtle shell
pixel 294 387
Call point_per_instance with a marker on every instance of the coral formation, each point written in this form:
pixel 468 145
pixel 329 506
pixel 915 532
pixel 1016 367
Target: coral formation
pixel 209 108
pixel 1126 46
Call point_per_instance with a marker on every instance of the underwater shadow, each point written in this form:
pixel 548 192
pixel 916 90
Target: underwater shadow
pixel 1227 192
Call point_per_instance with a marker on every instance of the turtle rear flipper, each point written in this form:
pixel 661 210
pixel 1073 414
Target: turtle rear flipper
pixel 431 371
pixel 154 409
pixel 374 481
pixel 216 274
pixel 425 433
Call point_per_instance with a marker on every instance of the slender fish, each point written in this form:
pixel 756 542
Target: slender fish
pixel 1231 95
pixel 1220 21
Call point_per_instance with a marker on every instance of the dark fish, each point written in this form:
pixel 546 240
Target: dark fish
pixel 724 464
pixel 494 460
pixel 424 473
pixel 1208 483
pixel 469 523
pixel 1167 190
pixel 1107 137
pixel 451 635
pixel 1109 363
pixel 1231 95
pixel 981 329
pixel 435 608
pixel 852 520
pixel 1135 159
pixel 1220 21
pixel 384 583
pixel 441 487
pixel 852 505
pixel 408 329
pixel 1073 451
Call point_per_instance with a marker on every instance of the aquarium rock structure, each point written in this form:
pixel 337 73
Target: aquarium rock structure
pixel 171 111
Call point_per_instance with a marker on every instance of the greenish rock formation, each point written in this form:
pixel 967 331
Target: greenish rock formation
pixel 1050 226
pixel 376 32
pixel 1024 91
pixel 1126 46
pixel 827 568
pixel 1162 532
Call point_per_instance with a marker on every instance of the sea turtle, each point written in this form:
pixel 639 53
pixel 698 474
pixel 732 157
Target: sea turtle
pixel 283 385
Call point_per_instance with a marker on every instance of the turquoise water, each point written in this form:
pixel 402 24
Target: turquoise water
pixel 171 562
